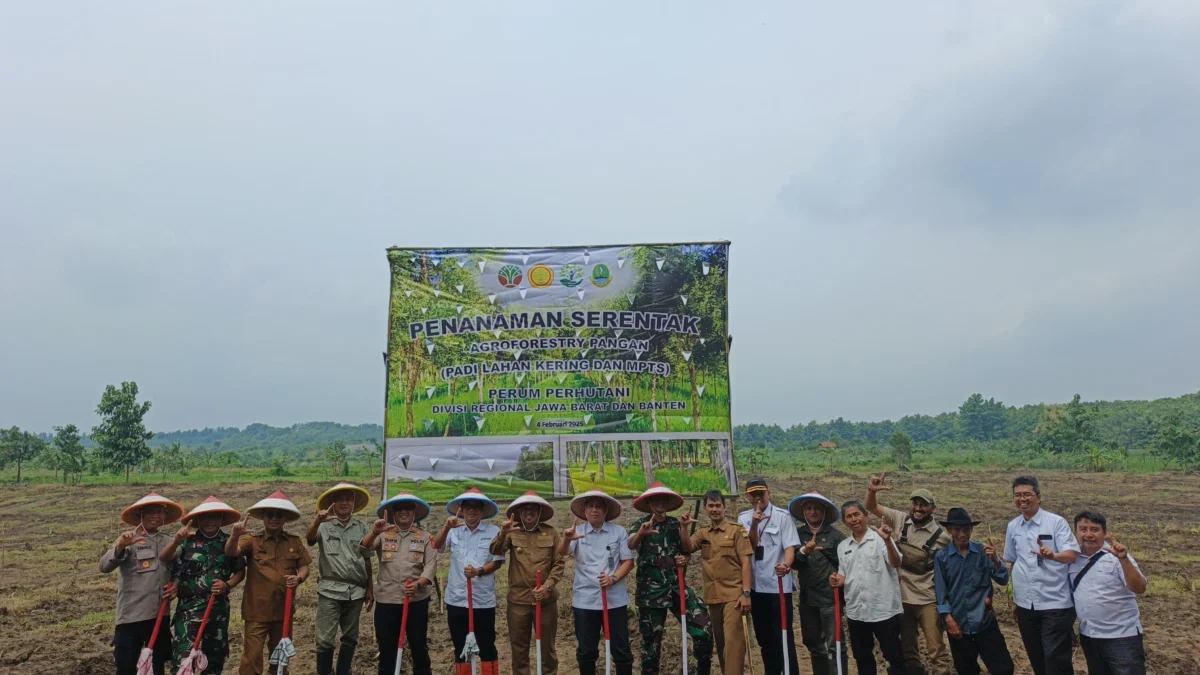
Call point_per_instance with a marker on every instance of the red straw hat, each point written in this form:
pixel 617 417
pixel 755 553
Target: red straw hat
pixel 279 502
pixel 531 497
pixel 229 516
pixel 642 503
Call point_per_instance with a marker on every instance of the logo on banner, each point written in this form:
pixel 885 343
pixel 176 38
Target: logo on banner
pixel 509 276
pixel 570 275
pixel 541 276
pixel 601 276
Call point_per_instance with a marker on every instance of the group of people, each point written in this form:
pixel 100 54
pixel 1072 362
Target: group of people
pixel 912 577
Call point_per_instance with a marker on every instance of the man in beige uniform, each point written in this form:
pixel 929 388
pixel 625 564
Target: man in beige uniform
pixel 919 539
pixel 143 582
pixel 534 546
pixel 407 567
pixel 725 553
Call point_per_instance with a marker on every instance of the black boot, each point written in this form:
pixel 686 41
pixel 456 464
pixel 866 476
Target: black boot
pixel 587 668
pixel 325 663
pixel 345 659
pixel 703 667
pixel 623 668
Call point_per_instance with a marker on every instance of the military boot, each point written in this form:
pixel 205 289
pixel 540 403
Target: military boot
pixel 325 662
pixel 345 660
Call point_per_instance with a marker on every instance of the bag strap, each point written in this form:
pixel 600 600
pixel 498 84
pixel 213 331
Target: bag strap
pixel 904 530
pixel 932 541
pixel 1082 572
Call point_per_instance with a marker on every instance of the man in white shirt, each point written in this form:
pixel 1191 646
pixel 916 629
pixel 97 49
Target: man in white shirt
pixel 471 558
pixel 1106 581
pixel 602 560
pixel 774 541
pixel 868 564
pixel 1038 547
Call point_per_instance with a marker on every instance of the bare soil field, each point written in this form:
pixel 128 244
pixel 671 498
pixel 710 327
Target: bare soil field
pixel 56 609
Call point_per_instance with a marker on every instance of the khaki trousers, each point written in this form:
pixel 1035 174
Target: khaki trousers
pixel 729 636
pixel 926 618
pixel 257 635
pixel 520 636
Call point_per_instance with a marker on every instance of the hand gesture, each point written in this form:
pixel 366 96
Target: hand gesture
pixel 324 515
pixel 571 533
pixel 836 580
pixel 125 540
pixel 686 520
pixel 606 580
pixel 647 528
pixel 219 588
pixel 1118 549
pixel 781 570
pixel 370 597
pixel 540 593
pixel 758 517
pixel 744 605
pixel 883 531
pixel 681 561
pixel 409 589
pixel 182 534
pixel 1044 552
pixel 877 483
pixel 291 581
pixel 170 591
pixel 239 528
pixel 471 571
pixel 508 527
pixel 452 521
pixel 380 527
pixel 811 547
pixel 952 627
pixel 989 549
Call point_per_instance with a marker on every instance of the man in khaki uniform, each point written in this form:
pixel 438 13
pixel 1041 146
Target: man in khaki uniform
pixel 919 539
pixel 143 582
pixel 534 546
pixel 407 568
pixel 345 583
pixel 725 553
pixel 275 562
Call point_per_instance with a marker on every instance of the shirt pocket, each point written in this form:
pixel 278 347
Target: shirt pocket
pixel 541 550
pixel 291 562
pixel 145 560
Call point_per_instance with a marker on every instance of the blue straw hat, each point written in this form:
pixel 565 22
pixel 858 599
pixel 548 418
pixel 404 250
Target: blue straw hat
pixel 405 498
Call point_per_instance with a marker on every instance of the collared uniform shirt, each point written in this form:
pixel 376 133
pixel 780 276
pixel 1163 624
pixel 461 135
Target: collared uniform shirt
pixel 1106 607
pixel 471 547
pixel 963 584
pixel 813 571
pixel 872 588
pixel 340 559
pixel 404 556
pixel 1046 586
pixel 722 549
pixel 268 560
pixel 776 533
pixel 915 589
pixel 599 551
pixel 532 552
pixel 142 576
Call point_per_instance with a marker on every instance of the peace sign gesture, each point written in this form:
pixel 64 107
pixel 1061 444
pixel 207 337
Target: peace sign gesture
pixel 877 483
pixel 1118 549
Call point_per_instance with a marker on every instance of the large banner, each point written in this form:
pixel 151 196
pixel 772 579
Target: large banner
pixel 559 370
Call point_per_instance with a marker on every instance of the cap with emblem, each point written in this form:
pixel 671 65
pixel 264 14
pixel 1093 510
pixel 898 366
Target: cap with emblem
pixel 756 485
pixel 422 508
pixel 923 495
pixel 642 503
pixel 213 505
pixel 361 496
pixel 277 502
pixel 132 515
pixel 528 498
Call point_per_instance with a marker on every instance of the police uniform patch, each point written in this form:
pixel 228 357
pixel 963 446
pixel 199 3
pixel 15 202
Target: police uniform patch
pixel 416 546
pixel 387 556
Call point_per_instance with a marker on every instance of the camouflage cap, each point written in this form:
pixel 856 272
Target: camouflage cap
pixel 924 495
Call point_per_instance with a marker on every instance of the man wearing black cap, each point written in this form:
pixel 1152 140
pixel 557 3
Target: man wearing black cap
pixel 774 541
pixel 963 577
pixel 919 540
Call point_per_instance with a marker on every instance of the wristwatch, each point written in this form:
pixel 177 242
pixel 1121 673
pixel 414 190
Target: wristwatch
pixel 745 594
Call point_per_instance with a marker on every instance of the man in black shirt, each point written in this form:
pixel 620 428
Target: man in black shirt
pixel 816 560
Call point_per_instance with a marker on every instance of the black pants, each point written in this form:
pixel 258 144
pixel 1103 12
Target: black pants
pixel 128 640
pixel 589 631
pixel 1047 637
pixel 818 635
pixel 988 645
pixel 485 631
pixel 416 643
pixel 1117 656
pixel 864 635
pixel 764 612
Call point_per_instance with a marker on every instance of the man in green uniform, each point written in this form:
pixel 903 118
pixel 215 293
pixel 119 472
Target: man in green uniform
pixel 345 583
pixel 815 561
pixel 200 568
pixel 658 547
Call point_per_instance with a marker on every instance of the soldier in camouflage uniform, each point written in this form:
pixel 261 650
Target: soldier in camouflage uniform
pixel 658 547
pixel 200 567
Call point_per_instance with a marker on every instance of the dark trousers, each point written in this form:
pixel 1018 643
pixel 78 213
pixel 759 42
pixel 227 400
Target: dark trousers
pixel 764 612
pixel 128 640
pixel 485 631
pixel 589 631
pixel 864 635
pixel 988 645
pixel 1117 656
pixel 1047 637
pixel 416 643
pixel 817 634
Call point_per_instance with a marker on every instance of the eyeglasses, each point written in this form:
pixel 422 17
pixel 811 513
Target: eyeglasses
pixel 1024 495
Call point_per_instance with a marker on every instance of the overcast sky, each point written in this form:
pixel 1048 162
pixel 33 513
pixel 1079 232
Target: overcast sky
pixel 925 199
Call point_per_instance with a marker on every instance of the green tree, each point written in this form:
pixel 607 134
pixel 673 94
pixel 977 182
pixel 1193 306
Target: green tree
pixel 121 434
pixel 536 463
pixel 72 455
pixel 229 459
pixel 1068 428
pixel 1177 442
pixel 335 459
pixel 19 447
pixel 901 445
pixel 981 420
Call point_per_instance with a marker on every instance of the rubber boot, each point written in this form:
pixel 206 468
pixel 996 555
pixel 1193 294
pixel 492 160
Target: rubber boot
pixel 703 667
pixel 587 668
pixel 623 668
pixel 325 662
pixel 345 660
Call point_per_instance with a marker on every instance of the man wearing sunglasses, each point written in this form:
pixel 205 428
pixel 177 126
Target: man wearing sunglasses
pixel 275 562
